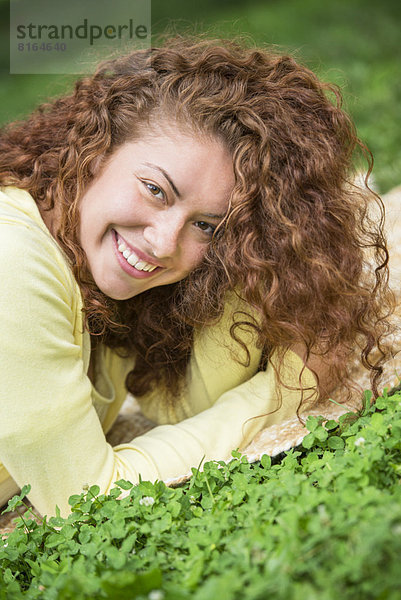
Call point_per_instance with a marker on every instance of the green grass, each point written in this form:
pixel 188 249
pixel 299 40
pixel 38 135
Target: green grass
pixel 355 43
pixel 321 522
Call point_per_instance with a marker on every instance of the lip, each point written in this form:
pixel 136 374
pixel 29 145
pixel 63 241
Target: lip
pixel 129 269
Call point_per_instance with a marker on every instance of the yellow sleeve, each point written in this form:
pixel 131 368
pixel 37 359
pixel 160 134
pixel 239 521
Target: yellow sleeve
pixel 50 434
pixel 168 451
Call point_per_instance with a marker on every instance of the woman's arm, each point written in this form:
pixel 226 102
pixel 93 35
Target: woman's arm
pixel 236 402
pixel 50 434
pixel 232 422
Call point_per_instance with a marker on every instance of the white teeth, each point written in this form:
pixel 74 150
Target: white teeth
pixel 140 265
pixel 133 259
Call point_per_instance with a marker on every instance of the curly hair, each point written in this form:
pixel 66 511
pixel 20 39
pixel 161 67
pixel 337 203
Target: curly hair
pixel 294 244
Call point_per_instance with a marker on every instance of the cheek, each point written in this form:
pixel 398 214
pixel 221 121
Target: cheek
pixel 90 226
pixel 193 256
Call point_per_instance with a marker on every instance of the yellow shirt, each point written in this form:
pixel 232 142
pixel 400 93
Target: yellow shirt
pixel 53 420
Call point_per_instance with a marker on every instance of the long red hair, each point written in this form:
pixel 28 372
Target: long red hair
pixel 294 245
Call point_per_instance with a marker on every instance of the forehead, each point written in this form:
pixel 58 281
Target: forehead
pixel 200 166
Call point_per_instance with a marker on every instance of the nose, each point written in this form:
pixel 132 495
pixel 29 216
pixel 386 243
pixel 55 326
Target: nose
pixel 163 237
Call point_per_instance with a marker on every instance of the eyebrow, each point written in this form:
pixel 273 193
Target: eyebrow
pixel 212 216
pixel 177 193
pixel 166 175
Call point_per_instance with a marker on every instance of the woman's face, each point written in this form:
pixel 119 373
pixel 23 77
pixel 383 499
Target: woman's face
pixel 148 217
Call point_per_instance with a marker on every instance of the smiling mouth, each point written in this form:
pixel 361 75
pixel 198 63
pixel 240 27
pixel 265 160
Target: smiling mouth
pixel 131 258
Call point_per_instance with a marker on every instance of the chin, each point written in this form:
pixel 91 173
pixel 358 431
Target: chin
pixel 120 297
pixel 113 293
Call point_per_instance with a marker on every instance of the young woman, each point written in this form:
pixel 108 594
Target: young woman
pixel 183 226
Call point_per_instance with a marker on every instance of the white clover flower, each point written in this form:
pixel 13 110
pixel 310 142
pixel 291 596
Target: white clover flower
pixel 192 499
pixel 147 501
pixel 156 595
pixel 359 441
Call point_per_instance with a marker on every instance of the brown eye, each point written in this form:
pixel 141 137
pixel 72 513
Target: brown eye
pixel 154 190
pixel 206 227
